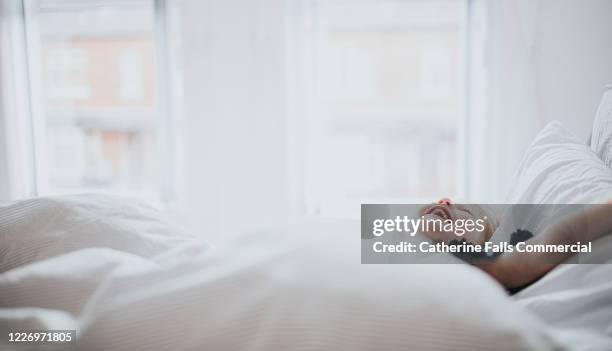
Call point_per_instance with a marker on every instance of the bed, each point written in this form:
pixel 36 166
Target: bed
pixel 127 279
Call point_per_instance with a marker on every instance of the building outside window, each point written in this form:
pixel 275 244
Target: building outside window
pixel 93 69
pixel 388 89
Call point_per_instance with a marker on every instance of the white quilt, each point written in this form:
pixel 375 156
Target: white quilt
pixel 299 285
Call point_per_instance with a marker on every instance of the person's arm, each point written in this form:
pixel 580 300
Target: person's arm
pixel 515 269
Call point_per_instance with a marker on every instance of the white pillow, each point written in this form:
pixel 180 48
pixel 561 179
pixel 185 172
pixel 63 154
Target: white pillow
pixel 36 229
pixel 601 137
pixel 559 168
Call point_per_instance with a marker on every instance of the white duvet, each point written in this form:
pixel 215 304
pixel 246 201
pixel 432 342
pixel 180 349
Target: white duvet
pixel 126 280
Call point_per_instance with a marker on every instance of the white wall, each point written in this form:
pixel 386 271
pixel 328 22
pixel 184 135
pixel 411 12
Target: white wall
pixel 545 60
pixel 234 175
pixel 573 59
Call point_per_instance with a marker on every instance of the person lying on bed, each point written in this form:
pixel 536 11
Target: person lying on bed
pixel 518 269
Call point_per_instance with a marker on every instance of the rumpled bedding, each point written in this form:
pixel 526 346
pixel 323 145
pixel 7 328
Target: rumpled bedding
pixel 127 280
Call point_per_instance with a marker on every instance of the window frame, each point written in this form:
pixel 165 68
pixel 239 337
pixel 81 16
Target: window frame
pixel 303 27
pixel 29 121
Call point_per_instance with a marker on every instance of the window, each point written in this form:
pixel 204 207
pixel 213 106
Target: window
pixel 386 88
pixel 97 96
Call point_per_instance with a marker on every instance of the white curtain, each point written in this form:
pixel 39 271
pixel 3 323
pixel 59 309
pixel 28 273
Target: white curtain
pixel 16 156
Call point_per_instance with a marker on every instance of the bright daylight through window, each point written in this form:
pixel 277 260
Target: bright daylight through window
pixel 389 103
pixel 94 75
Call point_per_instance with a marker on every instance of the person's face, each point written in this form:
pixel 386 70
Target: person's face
pixel 445 209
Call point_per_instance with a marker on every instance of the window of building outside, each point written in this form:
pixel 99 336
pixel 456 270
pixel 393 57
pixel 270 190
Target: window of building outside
pixel 389 93
pixel 93 75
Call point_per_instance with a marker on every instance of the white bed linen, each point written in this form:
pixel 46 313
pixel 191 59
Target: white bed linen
pixel 601 136
pixel 295 286
pixel 559 168
pixel 41 228
pixel 576 302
